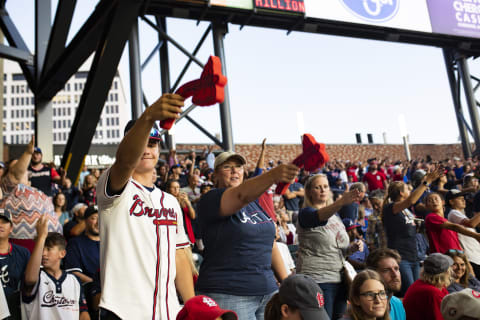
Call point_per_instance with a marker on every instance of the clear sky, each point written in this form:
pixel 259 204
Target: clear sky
pixel 341 85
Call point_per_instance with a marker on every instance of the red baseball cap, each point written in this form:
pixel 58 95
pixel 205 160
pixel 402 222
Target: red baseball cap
pixel 204 308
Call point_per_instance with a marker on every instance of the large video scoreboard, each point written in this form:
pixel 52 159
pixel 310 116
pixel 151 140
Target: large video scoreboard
pixel 449 17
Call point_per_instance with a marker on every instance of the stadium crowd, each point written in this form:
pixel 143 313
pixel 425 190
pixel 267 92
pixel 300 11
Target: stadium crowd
pixel 384 239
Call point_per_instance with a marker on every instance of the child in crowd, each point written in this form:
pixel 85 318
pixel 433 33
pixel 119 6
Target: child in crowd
pixel 49 292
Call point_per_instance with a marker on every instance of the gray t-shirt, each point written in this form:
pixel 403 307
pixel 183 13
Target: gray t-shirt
pixel 320 247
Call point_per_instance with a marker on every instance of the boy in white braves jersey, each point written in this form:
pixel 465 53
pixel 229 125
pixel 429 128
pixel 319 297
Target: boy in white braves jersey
pixel 51 293
pixel 142 258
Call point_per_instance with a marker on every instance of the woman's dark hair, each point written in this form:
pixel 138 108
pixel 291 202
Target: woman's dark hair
pixel 356 311
pixel 64 207
pixel 273 308
pixel 167 185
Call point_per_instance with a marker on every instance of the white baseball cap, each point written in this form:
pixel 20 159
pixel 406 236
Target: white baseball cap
pixel 465 303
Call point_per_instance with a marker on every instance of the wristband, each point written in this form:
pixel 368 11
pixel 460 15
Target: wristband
pixel 426 184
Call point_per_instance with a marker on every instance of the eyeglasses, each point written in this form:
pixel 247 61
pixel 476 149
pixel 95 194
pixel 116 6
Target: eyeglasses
pixel 229 167
pixel 371 296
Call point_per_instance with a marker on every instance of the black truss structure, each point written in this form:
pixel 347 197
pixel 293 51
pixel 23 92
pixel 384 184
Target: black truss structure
pixel 114 22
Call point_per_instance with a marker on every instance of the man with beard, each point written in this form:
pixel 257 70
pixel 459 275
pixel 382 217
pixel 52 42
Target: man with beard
pixel 42 176
pixel 374 178
pixel 83 258
pixel 386 263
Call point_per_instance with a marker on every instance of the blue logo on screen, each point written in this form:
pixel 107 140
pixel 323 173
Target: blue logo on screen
pixel 373 10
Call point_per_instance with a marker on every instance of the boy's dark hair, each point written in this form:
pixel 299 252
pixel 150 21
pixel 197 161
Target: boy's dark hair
pixel 379 254
pixel 55 239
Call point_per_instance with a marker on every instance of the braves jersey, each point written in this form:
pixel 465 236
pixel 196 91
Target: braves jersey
pixel 140 231
pixel 53 299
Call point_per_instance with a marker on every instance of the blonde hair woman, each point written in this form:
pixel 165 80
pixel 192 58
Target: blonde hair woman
pixel 323 241
pixel 424 297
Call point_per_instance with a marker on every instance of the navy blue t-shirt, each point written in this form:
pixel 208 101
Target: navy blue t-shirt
pixel 83 253
pixel 68 227
pixel 12 267
pixel 238 249
pixel 401 233
pixel 293 204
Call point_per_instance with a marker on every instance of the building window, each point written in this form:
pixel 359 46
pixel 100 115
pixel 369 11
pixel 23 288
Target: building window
pixel 22 114
pixel 4 77
pixel 22 101
pixel 12 114
pixel 32 101
pixel 17 114
pixel 17 101
pixel 64 123
pixel 17 77
pixel 81 75
pixel 108 133
pixel 54 112
pixel 4 101
pixel 54 124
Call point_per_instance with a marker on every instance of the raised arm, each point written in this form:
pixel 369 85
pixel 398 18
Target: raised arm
pixel 133 144
pixel 261 158
pixel 235 198
pixel 17 172
pixel 460 229
pixel 417 193
pixel 348 197
pixel 33 265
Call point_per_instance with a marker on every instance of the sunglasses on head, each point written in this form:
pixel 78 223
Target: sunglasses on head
pixel 155 134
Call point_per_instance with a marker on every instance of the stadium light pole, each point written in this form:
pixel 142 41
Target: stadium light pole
pixel 403 132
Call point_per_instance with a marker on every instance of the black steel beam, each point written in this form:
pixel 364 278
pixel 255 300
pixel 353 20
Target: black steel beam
pixel 164 73
pixel 204 131
pixel 172 41
pixel 453 81
pixel 219 30
pixel 59 32
pixel 104 67
pixel 15 40
pixel 189 62
pixel 77 52
pixel 15 54
pixel 43 15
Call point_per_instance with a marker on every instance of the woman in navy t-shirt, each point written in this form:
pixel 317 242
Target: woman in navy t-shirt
pixel 239 238
pixel 400 227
